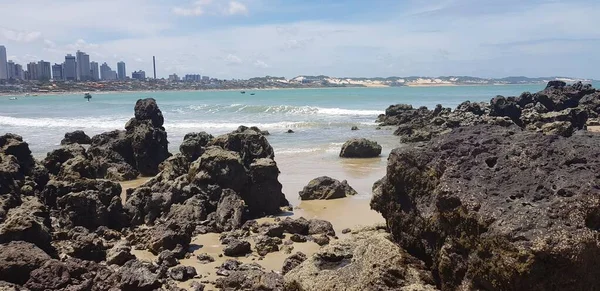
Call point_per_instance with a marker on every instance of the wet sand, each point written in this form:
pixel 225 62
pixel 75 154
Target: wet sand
pixel 296 171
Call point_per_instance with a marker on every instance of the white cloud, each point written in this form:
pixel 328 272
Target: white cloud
pixel 19 36
pixel 232 59
pixel 236 8
pixel 261 64
pixel 193 11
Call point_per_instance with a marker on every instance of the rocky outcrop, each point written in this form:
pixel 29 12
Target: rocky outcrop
pixel 249 277
pixel 559 109
pixel 496 208
pixel 29 222
pixel 360 148
pixel 77 136
pixel 292 262
pixel 18 259
pixel 194 144
pixel 325 188
pixel 367 261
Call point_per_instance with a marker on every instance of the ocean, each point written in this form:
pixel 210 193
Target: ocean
pixel 320 118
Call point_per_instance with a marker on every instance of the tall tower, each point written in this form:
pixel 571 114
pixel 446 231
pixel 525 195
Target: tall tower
pixel 70 68
pixel 154 65
pixel 83 66
pixel 3 63
pixel 121 70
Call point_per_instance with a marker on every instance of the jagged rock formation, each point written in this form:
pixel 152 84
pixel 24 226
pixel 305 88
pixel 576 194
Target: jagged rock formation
pixel 498 208
pixel 367 261
pixel 78 137
pixel 559 109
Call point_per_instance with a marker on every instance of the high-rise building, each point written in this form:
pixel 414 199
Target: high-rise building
pixel 32 71
pixel 107 73
pixel 83 66
pixel 138 75
pixel 3 63
pixel 11 70
pixel 19 72
pixel 70 68
pixel 174 78
pixel 44 70
pixel 57 72
pixel 192 78
pixel 95 73
pixel 121 70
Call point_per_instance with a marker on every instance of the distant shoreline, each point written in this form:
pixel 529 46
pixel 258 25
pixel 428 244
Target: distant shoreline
pixel 31 94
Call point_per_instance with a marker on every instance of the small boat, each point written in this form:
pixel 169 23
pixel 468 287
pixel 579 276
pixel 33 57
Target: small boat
pixel 252 94
pixel 243 92
pixel 12 98
pixel 87 96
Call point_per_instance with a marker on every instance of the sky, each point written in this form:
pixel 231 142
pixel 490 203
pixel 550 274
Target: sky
pixel 249 38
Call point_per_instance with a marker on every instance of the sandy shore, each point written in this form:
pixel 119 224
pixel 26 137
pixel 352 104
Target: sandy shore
pixel 296 171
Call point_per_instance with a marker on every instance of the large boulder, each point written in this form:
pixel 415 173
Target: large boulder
pixel 220 167
pixel 264 195
pixel 194 143
pixel 149 145
pixel 91 209
pixel 147 109
pixel 12 144
pixel 112 155
pixel 55 159
pixel 230 211
pixel 77 136
pixel 360 148
pixel 28 222
pixel 18 259
pixel 367 261
pixel 249 143
pixel 497 208
pixel 325 188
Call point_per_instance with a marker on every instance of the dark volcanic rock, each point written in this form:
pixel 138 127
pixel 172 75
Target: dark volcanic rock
pixel 319 226
pixel 55 159
pixel 147 109
pixel 28 222
pixel 182 273
pixel 250 277
pixel 149 145
pixel 169 237
pixel 194 143
pixel 360 148
pixel 119 254
pixel 77 136
pixel 220 167
pixel 91 209
pixel 325 188
pixel 367 261
pixel 264 196
pixel 488 207
pixel 266 244
pixel 250 144
pixel 292 262
pixel 237 248
pixel 295 226
pixel 112 155
pixel 230 211
pixel 18 259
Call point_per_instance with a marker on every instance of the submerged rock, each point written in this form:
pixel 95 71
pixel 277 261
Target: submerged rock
pixel 488 207
pixel 367 261
pixel 360 148
pixel 325 188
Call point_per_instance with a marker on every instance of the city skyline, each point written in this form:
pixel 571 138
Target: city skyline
pixel 74 68
pixel 246 38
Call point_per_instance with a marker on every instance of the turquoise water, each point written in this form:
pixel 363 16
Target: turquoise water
pixel 321 118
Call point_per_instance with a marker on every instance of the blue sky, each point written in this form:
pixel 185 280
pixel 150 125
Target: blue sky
pixel 246 38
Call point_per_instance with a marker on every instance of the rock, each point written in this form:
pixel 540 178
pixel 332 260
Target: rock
pixel 91 209
pixel 228 266
pixel 220 167
pixel 182 273
pixel 360 148
pixel 230 211
pixel 149 145
pixel 248 143
pixel 320 239
pixel 250 277
pixel 112 156
pixel 354 127
pixel 194 143
pixel 275 230
pixel 29 222
pixel 72 274
pixel 346 230
pixel 84 245
pixel 500 106
pixel 167 258
pixel 12 144
pixel 76 137
pixel 295 226
pixel 119 254
pixel 55 159
pixel 298 238
pixel 18 259
pixel 368 261
pixel 319 226
pixel 325 188
pixel 136 275
pixel 266 244
pixel 237 248
pixel 290 131
pixel 195 286
pixel 457 204
pixel 292 262
pixel 264 196
pixel 205 258
pixel 563 128
pixel 169 237
pixel 556 84
pixel 147 109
